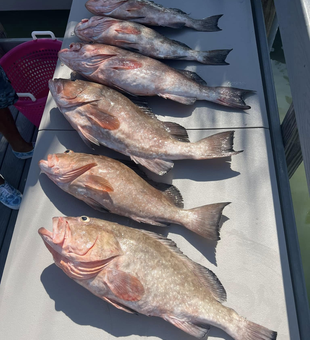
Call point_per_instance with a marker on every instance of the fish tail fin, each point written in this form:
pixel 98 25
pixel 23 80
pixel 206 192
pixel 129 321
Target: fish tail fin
pixel 205 220
pixel 253 331
pixel 209 24
pixel 215 57
pixel 230 96
pixel 216 146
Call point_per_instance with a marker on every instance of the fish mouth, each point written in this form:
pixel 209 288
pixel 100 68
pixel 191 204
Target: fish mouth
pixel 55 240
pixel 48 166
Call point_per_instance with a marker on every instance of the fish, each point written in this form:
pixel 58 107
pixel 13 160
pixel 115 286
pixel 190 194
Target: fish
pixel 139 75
pixel 103 116
pixel 108 184
pixel 141 39
pixel 142 272
pixel 150 13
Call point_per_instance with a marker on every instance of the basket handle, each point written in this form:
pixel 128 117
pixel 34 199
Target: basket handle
pixel 29 95
pixel 35 33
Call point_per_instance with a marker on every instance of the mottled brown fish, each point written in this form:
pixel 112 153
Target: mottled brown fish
pixel 139 75
pixel 150 13
pixel 139 271
pixel 102 115
pixel 138 38
pixel 107 184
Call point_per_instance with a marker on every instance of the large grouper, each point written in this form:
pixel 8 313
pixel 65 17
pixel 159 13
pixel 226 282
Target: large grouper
pixel 150 13
pixel 139 75
pixel 139 271
pixel 104 116
pixel 138 38
pixel 107 184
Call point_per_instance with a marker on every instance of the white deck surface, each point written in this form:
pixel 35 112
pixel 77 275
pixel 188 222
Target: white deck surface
pixel 38 301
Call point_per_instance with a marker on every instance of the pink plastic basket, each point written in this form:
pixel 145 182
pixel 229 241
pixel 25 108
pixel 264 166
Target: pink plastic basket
pixel 29 66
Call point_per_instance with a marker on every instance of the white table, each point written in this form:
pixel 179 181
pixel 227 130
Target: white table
pixel 38 301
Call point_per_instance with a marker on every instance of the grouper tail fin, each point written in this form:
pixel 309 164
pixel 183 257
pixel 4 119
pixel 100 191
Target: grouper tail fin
pixel 253 331
pixel 205 220
pixel 229 96
pixel 209 24
pixel 214 57
pixel 216 146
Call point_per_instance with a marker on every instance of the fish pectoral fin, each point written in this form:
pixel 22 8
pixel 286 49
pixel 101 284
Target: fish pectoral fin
pixel 98 183
pixel 124 285
pixel 75 173
pixel 120 306
pixel 98 59
pixel 188 327
pixel 103 119
pixel 128 30
pixel 179 99
pixel 87 137
pixel 159 166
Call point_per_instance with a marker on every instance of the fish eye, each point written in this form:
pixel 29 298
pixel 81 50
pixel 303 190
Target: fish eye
pixel 67 151
pixel 85 218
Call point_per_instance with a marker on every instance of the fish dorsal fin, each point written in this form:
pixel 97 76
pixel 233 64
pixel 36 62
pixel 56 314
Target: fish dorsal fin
pixel 180 43
pixel 98 183
pixel 188 327
pixel 101 118
pixel 170 191
pixel 206 276
pixel 179 11
pixel 87 137
pixel 119 306
pixel 193 76
pixel 125 286
pixel 177 131
pixel 156 165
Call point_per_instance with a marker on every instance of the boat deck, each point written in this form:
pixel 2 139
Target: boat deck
pixel 15 171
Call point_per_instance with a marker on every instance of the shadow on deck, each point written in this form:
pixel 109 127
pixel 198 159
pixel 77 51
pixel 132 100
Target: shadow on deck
pixel 15 171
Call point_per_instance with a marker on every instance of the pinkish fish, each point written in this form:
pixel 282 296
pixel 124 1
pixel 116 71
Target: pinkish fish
pixel 138 38
pixel 103 116
pixel 107 184
pixel 143 76
pixel 139 271
pixel 150 13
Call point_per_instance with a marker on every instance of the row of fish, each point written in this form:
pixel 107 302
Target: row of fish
pixel 111 260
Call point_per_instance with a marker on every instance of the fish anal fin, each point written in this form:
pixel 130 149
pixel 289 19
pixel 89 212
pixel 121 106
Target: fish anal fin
pixel 124 285
pixel 179 99
pixel 87 137
pixel 98 183
pixel 156 165
pixel 149 221
pixel 177 131
pixel 119 306
pixel 103 119
pixel 188 327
